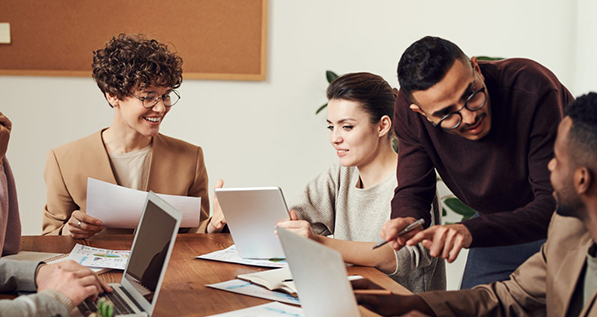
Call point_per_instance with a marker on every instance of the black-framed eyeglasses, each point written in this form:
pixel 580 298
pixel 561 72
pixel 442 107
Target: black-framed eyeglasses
pixel 474 102
pixel 151 99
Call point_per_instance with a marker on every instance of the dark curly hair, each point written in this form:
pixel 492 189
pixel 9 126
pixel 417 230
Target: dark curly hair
pixel 374 93
pixel 130 62
pixel 425 63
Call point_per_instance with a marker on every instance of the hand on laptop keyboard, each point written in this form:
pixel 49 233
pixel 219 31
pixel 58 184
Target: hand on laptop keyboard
pixel 71 279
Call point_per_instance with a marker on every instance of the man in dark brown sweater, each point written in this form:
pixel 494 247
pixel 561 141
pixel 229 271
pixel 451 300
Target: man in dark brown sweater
pixel 558 281
pixel 488 128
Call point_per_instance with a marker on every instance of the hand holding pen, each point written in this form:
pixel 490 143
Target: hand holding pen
pixel 402 232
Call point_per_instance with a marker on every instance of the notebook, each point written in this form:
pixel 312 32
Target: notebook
pixel 146 267
pixel 273 280
pixel 320 277
pixel 252 215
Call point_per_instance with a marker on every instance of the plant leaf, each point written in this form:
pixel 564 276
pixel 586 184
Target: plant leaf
pixel 460 208
pixel 395 144
pixel 330 75
pixel 321 108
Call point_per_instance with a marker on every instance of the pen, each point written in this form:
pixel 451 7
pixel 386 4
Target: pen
pixel 372 292
pixel 406 230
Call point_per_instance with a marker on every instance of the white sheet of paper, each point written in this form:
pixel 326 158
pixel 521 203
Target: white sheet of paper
pixel 121 207
pixel 230 255
pixel 247 288
pixel 266 310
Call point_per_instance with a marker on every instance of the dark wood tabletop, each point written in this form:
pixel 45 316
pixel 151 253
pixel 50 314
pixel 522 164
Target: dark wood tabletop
pixel 183 291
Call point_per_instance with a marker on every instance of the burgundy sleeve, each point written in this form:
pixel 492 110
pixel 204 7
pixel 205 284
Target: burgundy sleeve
pixel 415 172
pixel 529 222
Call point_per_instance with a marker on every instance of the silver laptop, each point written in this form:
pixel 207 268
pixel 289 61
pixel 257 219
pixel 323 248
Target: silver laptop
pixel 320 276
pixel 146 267
pixel 252 215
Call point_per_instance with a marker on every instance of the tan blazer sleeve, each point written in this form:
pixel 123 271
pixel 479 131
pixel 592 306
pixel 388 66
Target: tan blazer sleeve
pixel 199 188
pixel 527 291
pixel 522 295
pixel 59 204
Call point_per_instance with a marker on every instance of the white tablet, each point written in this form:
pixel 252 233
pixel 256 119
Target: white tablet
pixel 252 215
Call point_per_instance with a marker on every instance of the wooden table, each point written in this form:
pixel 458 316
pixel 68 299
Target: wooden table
pixel 183 291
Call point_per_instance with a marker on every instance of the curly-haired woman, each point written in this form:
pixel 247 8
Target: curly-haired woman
pixel 138 77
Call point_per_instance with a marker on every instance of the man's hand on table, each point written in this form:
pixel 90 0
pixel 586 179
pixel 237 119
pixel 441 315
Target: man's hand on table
pixel 390 305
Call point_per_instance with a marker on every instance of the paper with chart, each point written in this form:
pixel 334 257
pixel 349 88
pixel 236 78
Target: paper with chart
pixel 121 207
pixel 99 258
pixel 266 310
pixel 247 288
pixel 231 255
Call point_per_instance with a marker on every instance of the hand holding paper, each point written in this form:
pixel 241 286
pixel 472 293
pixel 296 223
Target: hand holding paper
pixel 82 226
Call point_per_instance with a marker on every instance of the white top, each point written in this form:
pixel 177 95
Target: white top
pixel 334 205
pixel 132 169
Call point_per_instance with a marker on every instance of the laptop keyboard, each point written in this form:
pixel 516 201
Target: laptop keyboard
pixel 120 306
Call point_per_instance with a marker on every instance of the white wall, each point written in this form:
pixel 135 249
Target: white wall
pixel 266 133
pixel 586 49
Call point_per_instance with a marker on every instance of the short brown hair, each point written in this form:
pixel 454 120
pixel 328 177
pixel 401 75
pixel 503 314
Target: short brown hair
pixel 130 62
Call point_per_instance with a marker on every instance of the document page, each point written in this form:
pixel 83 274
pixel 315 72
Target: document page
pixel 121 207
pixel 266 310
pixel 99 258
pixel 247 288
pixel 231 255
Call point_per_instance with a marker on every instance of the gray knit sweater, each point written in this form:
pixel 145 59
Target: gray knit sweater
pixel 333 205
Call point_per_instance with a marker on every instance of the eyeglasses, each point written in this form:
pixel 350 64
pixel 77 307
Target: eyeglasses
pixel 151 99
pixel 474 102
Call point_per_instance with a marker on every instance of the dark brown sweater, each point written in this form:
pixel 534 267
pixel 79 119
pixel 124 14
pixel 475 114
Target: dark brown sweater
pixel 503 176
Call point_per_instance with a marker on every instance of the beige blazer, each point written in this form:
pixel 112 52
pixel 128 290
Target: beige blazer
pixel 176 168
pixel 541 286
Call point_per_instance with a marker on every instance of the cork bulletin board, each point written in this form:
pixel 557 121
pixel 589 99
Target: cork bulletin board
pixel 217 39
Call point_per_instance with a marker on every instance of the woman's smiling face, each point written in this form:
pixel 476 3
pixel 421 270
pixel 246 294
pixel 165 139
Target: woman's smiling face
pixel 132 114
pixel 355 138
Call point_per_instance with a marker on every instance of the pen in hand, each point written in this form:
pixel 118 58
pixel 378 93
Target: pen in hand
pixel 404 231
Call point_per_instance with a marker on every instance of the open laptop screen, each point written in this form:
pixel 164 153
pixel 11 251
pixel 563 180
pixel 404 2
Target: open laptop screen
pixel 149 252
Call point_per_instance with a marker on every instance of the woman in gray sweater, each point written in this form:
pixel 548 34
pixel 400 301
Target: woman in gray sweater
pixel 345 207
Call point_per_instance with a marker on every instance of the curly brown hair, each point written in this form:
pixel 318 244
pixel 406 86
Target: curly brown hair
pixel 130 62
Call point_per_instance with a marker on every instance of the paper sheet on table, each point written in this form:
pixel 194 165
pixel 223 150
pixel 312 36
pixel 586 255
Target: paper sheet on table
pixel 121 207
pixel 99 258
pixel 266 310
pixel 231 255
pixel 247 288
